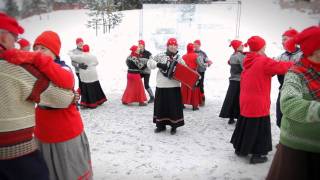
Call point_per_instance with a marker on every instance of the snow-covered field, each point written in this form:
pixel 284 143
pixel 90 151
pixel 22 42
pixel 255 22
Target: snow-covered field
pixel 123 144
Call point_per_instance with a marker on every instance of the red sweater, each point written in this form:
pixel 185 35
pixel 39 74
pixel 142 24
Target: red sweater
pixel 58 125
pixel 255 84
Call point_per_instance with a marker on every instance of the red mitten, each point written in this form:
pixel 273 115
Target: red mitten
pixel 229 62
pixel 59 76
pixel 17 57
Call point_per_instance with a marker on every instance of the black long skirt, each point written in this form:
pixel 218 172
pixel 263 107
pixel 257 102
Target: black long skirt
pixel 168 108
pixel 231 105
pixel 252 136
pixel 92 94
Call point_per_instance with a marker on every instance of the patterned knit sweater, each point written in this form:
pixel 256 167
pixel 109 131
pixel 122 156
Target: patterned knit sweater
pixel 300 126
pixel 17 114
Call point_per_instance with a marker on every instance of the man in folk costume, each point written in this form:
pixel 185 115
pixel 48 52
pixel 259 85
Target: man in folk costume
pixel 134 90
pixel 24 44
pixel 203 63
pixel 77 66
pixel 298 153
pixel 191 96
pixel 146 72
pixel 21 87
pixel 231 106
pixel 252 134
pixel 168 108
pixel 92 94
pixel 291 56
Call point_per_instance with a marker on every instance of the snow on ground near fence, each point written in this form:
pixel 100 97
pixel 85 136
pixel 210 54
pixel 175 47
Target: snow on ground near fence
pixel 123 144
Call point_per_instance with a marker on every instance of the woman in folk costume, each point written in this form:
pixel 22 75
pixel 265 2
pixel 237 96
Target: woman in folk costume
pixel 60 132
pixel 231 106
pixel 252 134
pixel 92 94
pixel 298 153
pixel 134 91
pixel 168 107
pixel 191 96
pixel 289 55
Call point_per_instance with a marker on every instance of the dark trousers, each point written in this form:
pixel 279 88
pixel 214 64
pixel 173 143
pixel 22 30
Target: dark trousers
pixel 278 111
pixel 201 82
pixel 146 78
pixel 31 166
pixel 78 76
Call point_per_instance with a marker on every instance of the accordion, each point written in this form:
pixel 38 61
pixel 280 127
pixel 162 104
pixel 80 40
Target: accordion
pixel 181 73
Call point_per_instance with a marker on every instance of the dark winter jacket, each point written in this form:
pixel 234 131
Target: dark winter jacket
pixel 291 57
pixel 134 64
pixel 235 62
pixel 255 84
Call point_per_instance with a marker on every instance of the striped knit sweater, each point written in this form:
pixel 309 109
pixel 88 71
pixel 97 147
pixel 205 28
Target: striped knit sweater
pixel 19 87
pixel 300 126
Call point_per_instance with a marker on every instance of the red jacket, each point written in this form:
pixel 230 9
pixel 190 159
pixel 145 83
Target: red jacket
pixel 58 125
pixel 255 84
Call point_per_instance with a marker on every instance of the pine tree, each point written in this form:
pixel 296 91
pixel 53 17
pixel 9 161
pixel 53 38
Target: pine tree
pixel 103 14
pixel 32 7
pixel 11 8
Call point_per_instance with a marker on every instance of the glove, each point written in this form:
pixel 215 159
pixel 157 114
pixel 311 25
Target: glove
pixel 164 67
pixel 83 66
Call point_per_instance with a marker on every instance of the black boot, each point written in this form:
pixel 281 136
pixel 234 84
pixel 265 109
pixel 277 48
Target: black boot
pixel 173 131
pixel 195 108
pixel 231 121
pixel 151 100
pixel 256 158
pixel 160 129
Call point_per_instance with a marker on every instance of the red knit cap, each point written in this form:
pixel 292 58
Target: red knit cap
pixel 255 43
pixel 85 48
pixel 197 42
pixel 79 40
pixel 141 42
pixel 172 41
pixel 235 44
pixel 10 24
pixel 190 48
pixel 50 40
pixel 133 49
pixel 290 33
pixel 23 43
pixel 308 39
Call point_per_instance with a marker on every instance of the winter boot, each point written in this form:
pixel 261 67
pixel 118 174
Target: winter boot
pixel 194 108
pixel 160 129
pixel 151 100
pixel 142 104
pixel 257 158
pixel 231 121
pixel 173 131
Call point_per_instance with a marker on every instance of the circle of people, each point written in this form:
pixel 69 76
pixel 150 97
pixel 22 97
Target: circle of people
pixel 48 141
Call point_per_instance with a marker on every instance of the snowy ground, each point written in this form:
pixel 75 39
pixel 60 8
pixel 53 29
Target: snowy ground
pixel 122 141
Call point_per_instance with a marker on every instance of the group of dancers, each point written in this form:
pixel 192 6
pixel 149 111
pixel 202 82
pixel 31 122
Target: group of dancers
pixel 41 129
